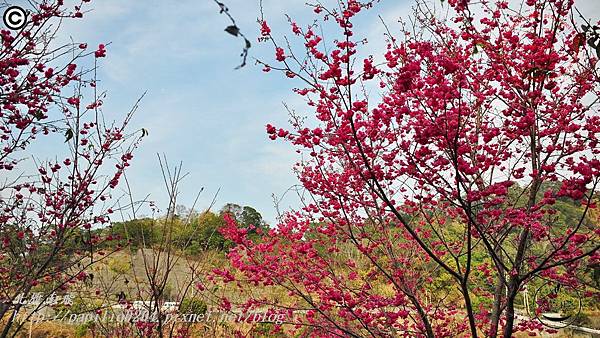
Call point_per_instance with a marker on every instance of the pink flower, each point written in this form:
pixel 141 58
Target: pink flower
pixel 279 54
pixel 264 28
pixel 101 51
pixel 74 101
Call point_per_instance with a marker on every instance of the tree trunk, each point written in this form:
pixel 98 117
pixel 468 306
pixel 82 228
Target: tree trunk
pixel 9 322
pixel 469 308
pixel 510 308
pixel 496 312
pixel 423 315
pixel 499 293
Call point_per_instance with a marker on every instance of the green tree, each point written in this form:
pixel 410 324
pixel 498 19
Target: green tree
pixel 139 231
pixel 209 236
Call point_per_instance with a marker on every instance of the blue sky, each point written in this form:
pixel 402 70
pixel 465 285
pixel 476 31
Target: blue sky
pixel 200 110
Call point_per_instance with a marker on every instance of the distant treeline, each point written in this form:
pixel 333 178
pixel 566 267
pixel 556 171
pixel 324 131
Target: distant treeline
pixel 188 230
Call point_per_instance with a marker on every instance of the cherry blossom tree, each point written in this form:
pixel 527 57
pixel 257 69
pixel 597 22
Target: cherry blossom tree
pixel 432 203
pixel 51 207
